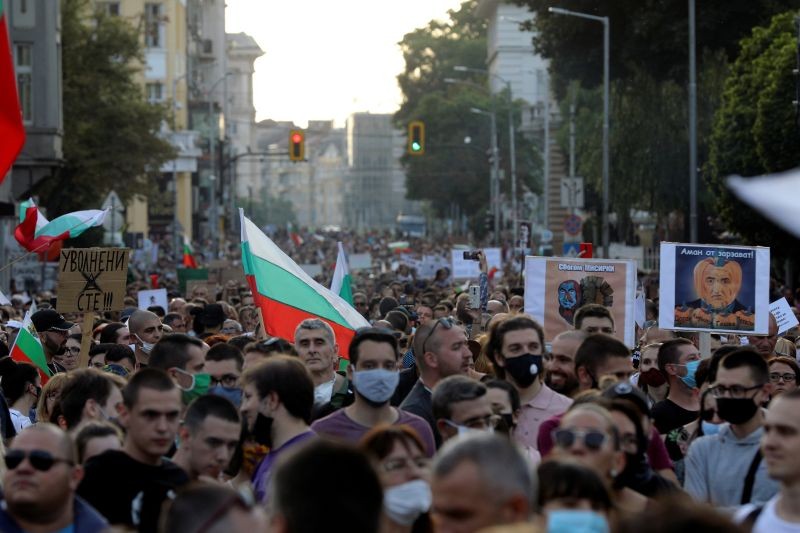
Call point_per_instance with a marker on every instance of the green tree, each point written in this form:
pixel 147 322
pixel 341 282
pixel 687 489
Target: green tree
pixel 755 129
pixel 453 173
pixel 111 133
pixel 649 36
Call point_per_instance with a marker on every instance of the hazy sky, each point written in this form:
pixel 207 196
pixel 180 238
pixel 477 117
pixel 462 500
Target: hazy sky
pixel 325 59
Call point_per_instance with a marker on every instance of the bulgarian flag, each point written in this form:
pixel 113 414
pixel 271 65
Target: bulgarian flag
pixel 28 348
pixel 287 295
pixel 188 255
pixel 12 132
pixel 341 278
pixel 35 233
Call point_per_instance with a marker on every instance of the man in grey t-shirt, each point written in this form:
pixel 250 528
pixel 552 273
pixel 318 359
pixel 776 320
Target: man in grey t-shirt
pixel 374 374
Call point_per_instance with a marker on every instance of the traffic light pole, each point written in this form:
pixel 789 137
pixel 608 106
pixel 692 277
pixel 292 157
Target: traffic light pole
pixel 495 177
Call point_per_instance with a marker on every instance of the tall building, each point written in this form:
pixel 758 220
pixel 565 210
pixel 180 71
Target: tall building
pixel 35 31
pixel 377 180
pixel 240 119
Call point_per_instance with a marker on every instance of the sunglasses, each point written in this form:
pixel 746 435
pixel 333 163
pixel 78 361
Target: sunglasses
pixel 592 439
pixel 39 459
pixel 447 323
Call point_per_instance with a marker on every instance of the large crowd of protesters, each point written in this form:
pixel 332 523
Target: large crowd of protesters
pixel 443 416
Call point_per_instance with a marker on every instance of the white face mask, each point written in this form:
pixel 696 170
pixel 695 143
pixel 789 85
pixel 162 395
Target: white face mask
pixel 146 347
pixel 376 385
pixel 404 503
pixel 324 392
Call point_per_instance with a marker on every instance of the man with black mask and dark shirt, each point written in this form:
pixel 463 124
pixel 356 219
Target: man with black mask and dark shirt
pixel 129 486
pixel 53 331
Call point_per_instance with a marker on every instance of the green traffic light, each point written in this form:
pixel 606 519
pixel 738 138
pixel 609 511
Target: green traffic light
pixel 415 146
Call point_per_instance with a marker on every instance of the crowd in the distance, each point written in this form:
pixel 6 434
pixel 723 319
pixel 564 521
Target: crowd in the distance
pixel 445 416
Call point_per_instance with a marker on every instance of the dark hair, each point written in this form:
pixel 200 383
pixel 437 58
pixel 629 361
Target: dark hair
pixel 454 389
pixel 308 505
pixel 93 430
pixel 596 349
pixel 210 405
pixel 109 333
pixel 747 357
pixel 225 352
pixel 668 514
pixel 512 391
pixel 271 346
pixel 370 334
pixel 560 479
pixel 380 440
pixel 397 319
pixel 169 318
pixel 76 337
pixel 118 352
pixel 201 504
pixel 497 332
pixel 701 374
pixel 240 341
pixel 104 347
pixel 634 414
pixel 172 351
pixel 147 378
pixel 82 385
pixel 288 377
pixel 668 352
pixel 715 358
pixel 16 377
pixel 592 311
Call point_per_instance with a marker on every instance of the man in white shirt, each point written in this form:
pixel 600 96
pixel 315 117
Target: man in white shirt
pixel 779 444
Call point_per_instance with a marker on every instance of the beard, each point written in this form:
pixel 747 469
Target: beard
pixel 566 385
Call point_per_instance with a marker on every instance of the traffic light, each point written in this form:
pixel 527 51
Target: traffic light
pixel 416 137
pixel 297 145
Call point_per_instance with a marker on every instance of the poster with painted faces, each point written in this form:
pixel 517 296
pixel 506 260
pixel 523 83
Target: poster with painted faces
pixel 714 288
pixel 556 287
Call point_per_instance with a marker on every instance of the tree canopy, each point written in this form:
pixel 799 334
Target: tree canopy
pixel 454 173
pixel 111 133
pixel 756 129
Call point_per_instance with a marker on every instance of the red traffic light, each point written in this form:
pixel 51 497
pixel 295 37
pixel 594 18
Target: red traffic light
pixel 296 138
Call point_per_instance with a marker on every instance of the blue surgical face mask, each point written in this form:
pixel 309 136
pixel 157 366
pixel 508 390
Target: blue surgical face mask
pixel 376 385
pixel 709 428
pixel 234 394
pixel 691 369
pixel 575 520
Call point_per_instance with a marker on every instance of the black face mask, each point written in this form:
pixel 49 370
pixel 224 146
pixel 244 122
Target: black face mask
pixel 736 410
pixel 506 424
pixel 262 430
pixel 524 368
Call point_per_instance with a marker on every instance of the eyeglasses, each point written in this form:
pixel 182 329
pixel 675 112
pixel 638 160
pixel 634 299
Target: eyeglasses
pixel 787 377
pixel 592 439
pixel 39 459
pixel 227 380
pixel 447 323
pixel 484 422
pixel 395 465
pixel 734 391
pixel 74 350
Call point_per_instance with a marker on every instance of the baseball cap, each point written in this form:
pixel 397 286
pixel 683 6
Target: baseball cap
pixel 626 391
pixel 50 319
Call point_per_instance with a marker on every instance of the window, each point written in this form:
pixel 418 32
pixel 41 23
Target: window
pixel 112 8
pixel 155 92
pixel 154 26
pixel 23 59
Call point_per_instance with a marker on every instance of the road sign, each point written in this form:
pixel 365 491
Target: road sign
pixel 573 225
pixel 571 249
pixel 546 235
pixel 92 279
pixel 572 193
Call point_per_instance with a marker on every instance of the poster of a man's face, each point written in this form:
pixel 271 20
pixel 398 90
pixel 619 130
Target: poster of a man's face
pixel 717 288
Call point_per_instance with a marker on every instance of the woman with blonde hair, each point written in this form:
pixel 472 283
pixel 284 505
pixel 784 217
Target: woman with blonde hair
pixel 49 397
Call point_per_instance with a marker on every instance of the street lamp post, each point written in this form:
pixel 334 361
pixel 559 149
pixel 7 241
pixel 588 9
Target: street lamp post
pixel 212 133
pixel 176 239
pixel 692 125
pixel 606 111
pixel 494 185
pixel 511 147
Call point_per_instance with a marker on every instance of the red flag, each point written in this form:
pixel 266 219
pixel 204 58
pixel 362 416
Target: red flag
pixel 12 132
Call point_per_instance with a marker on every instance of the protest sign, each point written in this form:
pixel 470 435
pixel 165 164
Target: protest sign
pixel 187 274
pixel 783 314
pixel 467 269
pixel 311 269
pixel 556 287
pixel 360 261
pixel 152 298
pixel 92 279
pixel 714 288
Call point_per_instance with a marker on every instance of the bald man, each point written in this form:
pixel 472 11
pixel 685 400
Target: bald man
pixel 146 329
pixel 40 482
